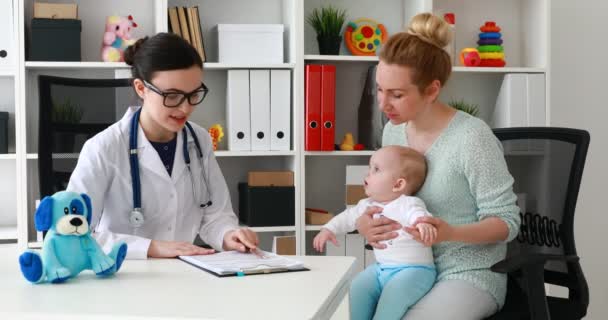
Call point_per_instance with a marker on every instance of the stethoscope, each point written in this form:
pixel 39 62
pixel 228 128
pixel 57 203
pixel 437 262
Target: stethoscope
pixel 136 218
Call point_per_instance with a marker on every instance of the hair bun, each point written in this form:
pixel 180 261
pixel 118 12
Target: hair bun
pixel 431 29
pixel 129 54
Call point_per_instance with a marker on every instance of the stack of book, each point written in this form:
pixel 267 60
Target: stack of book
pixel 185 22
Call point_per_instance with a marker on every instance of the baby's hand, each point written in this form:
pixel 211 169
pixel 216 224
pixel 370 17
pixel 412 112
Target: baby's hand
pixel 319 242
pixel 428 233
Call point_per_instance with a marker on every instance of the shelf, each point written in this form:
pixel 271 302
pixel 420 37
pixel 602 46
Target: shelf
pixel 34 245
pixel 271 229
pixel 8 232
pixel 498 70
pixel 363 153
pixel 8 156
pixel 317 57
pixel 43 65
pixel 218 154
pixel 458 69
pixel 314 227
pixel 227 66
pixel 38 65
pixel 226 153
pixel 34 156
pixel 7 72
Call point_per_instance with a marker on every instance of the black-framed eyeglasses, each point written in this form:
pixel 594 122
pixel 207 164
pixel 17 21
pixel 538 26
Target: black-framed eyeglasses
pixel 173 99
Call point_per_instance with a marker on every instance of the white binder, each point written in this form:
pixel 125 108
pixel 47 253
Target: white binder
pixel 7 35
pixel 259 84
pixel 237 110
pixel 536 100
pixel 521 101
pixel 280 110
pixel 511 104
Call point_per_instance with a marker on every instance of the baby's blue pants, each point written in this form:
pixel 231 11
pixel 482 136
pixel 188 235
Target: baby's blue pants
pixel 387 292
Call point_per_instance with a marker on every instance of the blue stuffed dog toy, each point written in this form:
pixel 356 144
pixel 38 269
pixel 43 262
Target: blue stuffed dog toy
pixel 68 246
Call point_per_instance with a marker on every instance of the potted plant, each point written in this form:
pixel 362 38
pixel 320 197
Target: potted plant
pixel 463 106
pixel 328 22
pixel 65 113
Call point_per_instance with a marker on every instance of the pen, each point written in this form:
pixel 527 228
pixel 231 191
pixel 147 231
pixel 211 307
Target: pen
pixel 258 253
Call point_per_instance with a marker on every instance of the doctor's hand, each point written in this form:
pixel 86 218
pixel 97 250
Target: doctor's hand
pixel 242 240
pixel 172 249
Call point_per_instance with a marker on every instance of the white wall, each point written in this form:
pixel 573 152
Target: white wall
pixel 579 98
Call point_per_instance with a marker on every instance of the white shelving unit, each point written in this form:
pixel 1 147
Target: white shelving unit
pixel 319 176
pixel 9 101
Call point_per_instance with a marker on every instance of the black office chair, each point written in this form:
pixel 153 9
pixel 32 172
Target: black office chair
pixel 70 112
pixel 547 164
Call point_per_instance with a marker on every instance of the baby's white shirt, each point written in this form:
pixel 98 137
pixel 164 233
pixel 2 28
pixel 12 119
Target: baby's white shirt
pixel 401 250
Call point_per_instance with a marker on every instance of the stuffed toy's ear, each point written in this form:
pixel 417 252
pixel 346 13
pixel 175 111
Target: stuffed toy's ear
pixel 44 214
pixel 87 201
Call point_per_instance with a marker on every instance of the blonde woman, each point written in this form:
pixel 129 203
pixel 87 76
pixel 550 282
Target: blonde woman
pixel 468 187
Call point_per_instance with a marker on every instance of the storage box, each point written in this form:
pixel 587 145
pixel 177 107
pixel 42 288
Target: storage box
pixel 250 43
pixel 270 179
pixel 317 217
pixel 266 206
pixel 284 245
pixel 355 178
pixel 4 132
pixel 354 193
pixel 55 10
pixel 55 40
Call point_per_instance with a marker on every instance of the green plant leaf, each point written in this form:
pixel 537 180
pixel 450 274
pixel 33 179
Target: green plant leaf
pixel 66 112
pixel 327 21
pixel 461 105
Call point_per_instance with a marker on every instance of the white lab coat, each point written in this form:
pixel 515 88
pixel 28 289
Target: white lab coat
pixel 170 210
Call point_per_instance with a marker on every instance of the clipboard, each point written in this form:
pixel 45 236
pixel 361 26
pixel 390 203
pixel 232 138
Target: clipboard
pixel 234 263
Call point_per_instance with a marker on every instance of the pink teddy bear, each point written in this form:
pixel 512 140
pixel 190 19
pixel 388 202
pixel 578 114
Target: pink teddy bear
pixel 117 38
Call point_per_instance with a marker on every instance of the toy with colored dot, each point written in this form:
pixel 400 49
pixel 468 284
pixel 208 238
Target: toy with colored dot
pixel 469 57
pixel 490 46
pixel 364 36
pixel 217 133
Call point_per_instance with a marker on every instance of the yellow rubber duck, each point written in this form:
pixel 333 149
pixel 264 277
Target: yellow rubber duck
pixel 348 143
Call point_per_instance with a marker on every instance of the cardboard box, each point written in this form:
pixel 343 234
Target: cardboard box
pixel 354 193
pixel 270 179
pixel 284 245
pixel 317 217
pixel 355 178
pixel 55 10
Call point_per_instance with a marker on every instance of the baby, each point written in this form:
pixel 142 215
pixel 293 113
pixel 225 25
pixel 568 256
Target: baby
pixel 405 270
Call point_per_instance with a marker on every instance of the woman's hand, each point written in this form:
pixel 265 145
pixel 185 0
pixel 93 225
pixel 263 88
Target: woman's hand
pixel 242 240
pixel 444 230
pixel 172 249
pixel 320 239
pixel 376 230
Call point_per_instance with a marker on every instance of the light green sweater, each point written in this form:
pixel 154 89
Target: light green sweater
pixel 467 181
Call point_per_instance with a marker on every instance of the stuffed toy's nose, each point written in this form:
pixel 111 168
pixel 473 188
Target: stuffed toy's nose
pixel 76 222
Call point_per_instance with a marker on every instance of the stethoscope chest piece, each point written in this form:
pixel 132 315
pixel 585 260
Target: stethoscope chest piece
pixel 136 219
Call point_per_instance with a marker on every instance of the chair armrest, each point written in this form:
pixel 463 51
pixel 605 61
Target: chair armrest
pixel 526 260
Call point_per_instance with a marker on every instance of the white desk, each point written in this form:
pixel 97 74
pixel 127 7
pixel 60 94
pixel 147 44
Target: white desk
pixel 172 289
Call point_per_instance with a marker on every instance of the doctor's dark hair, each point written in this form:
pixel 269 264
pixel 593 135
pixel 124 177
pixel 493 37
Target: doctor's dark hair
pixel 161 52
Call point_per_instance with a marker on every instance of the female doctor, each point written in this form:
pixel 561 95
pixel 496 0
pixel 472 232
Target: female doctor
pixel 152 177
